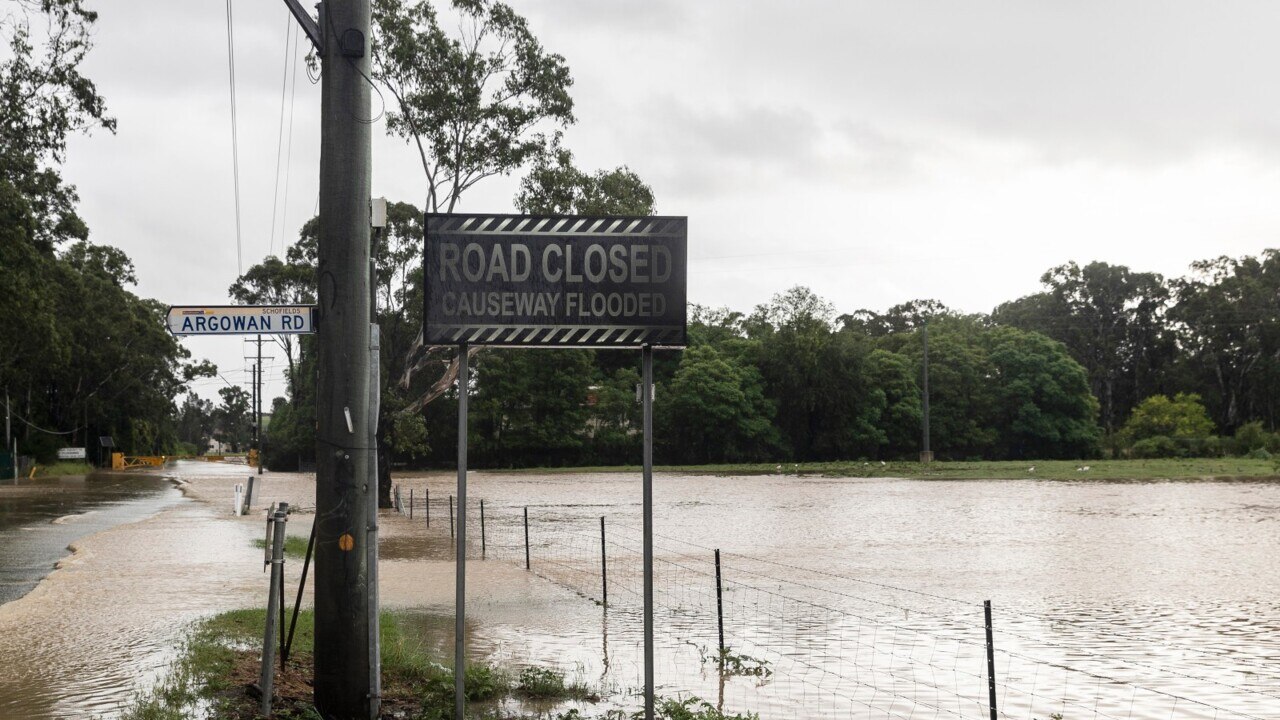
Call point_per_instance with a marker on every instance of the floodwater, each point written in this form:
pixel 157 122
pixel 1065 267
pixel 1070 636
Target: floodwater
pixel 106 623
pixel 842 598
pixel 854 598
pixel 40 518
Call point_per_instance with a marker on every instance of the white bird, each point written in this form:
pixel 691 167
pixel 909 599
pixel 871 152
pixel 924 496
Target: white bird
pixel 881 462
pixel 1031 469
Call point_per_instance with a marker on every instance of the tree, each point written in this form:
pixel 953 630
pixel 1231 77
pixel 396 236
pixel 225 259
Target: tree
pixel 716 412
pixel 555 186
pixel 472 105
pixel 233 420
pixel 1182 416
pixel 1228 324
pixel 530 408
pixel 1041 400
pixel 815 377
pixel 1112 321
pixel 44 98
pixel 892 379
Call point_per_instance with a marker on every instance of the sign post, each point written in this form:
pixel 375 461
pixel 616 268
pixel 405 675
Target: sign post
pixel 555 281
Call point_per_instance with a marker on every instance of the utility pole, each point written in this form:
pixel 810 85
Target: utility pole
pixel 257 409
pixel 346 660
pixel 926 455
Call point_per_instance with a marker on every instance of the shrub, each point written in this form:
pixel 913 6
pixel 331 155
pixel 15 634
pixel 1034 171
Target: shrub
pixel 1159 446
pixel 1182 416
pixel 1251 436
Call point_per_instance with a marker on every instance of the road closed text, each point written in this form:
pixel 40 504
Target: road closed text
pixel 558 262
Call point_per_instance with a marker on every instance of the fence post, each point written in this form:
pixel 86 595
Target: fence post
pixel 719 608
pixel 427 504
pixel 604 566
pixel 410 503
pixel 274 600
pixel 248 496
pixel 484 548
pixel 450 516
pixel 991 661
pixel 526 537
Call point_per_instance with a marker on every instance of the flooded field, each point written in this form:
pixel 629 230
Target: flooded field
pixel 840 598
pixel 863 598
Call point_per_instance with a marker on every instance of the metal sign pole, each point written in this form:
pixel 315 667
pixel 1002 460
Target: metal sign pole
pixel 460 582
pixel 647 403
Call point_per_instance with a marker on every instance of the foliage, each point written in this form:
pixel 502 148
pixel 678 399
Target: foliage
pixel 738 664
pixel 472 105
pixel 1182 416
pixel 555 186
pixel 717 411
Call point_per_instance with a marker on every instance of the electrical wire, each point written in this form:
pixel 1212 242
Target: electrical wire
pixel 33 426
pixel 284 84
pixel 288 154
pixel 235 137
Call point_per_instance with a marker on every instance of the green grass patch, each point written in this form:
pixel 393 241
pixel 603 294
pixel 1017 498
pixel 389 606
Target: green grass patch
pixel 60 469
pixel 220 657
pixel 1227 468
pixel 294 546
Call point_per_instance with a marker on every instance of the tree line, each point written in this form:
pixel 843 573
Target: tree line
pixel 1104 360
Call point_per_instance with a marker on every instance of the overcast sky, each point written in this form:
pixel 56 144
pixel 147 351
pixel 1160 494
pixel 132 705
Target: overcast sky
pixel 874 151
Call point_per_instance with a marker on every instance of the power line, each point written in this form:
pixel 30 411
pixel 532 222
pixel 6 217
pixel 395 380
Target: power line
pixel 288 155
pixel 235 138
pixel 284 83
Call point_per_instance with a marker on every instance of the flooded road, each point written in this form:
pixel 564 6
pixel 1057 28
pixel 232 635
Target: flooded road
pixel 841 598
pixel 40 518
pixel 108 620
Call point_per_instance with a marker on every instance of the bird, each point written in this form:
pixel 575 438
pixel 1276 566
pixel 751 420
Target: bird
pixel 1031 469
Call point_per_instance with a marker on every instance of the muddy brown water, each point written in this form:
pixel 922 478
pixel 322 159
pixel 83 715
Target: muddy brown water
pixel 853 598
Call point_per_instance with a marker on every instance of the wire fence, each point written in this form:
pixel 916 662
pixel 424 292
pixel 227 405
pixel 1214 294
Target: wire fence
pixel 788 641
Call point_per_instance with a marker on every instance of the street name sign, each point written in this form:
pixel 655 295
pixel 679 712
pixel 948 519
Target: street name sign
pixel 242 320
pixel 555 280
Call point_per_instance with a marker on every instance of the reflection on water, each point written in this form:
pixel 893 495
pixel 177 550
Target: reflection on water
pixel 40 518
pixel 864 597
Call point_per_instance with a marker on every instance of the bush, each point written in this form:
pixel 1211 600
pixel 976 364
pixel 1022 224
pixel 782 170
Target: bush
pixel 1211 446
pixel 1252 436
pixel 1159 446
pixel 1259 454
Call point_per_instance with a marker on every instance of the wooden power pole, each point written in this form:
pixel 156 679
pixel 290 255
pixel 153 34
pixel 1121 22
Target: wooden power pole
pixel 346 659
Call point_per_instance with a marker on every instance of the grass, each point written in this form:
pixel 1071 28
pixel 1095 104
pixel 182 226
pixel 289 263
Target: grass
pixel 294 546
pixel 218 660
pixel 1162 469
pixel 60 469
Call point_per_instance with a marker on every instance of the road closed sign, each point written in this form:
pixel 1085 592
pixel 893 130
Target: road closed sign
pixel 242 320
pixel 555 280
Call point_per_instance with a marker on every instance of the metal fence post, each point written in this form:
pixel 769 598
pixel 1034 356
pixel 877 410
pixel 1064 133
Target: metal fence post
pixel 248 496
pixel 484 548
pixel 410 503
pixel 426 502
pixel 274 601
pixel 450 516
pixel 991 660
pixel 719 607
pixel 604 566
pixel 526 537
